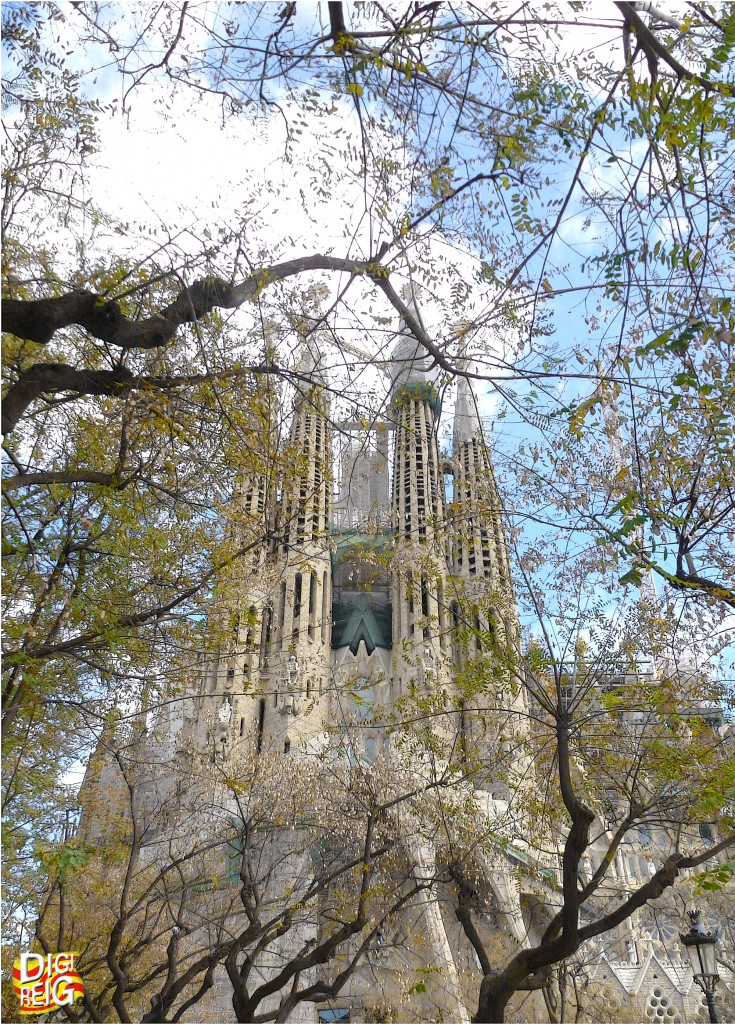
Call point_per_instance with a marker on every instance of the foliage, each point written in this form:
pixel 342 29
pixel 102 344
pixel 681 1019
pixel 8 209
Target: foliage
pixel 613 770
pixel 190 873
pixel 565 212
pixel 629 150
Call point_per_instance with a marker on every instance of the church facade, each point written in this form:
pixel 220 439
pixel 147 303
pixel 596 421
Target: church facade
pixel 378 587
pixel 372 585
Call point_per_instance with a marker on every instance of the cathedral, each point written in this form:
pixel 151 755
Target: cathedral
pixel 371 583
pixel 376 580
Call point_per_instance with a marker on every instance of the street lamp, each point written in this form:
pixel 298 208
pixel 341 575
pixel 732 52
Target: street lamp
pixel 700 946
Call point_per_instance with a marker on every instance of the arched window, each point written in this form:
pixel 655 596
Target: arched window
pixel 312 604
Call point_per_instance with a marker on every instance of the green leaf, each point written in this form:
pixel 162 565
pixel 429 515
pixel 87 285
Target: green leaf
pixel 634 576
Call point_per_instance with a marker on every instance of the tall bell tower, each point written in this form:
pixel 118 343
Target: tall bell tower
pixel 297 657
pixel 484 618
pixel 422 644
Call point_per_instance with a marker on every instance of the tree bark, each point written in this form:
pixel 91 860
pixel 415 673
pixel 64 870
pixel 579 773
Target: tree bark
pixel 44 378
pixel 38 320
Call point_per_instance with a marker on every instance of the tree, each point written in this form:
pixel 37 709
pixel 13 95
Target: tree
pixel 626 764
pixel 632 142
pixel 525 190
pixel 188 875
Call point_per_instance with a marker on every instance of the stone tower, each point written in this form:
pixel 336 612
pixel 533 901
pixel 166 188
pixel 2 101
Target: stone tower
pixel 420 626
pixel 296 665
pixel 482 610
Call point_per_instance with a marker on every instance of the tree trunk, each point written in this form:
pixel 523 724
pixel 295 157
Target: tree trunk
pixel 495 994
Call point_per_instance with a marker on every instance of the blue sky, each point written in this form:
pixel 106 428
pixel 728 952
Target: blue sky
pixel 173 170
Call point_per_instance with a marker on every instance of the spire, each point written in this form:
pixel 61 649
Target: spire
pixel 467 422
pixel 412 364
pixel 308 322
pixel 418 514
pixel 299 625
pixel 306 498
pixel 479 548
pixel 480 561
pixel 312 363
pixel 418 482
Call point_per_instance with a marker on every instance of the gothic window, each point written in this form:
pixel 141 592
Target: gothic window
pixel 425 604
pixel 312 604
pixel 363 704
pixel 485 548
pixel 456 622
pixel 297 598
pixel 261 723
pixel 325 610
pixel 281 614
pixel 252 618
pixel 442 616
pixel 265 633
